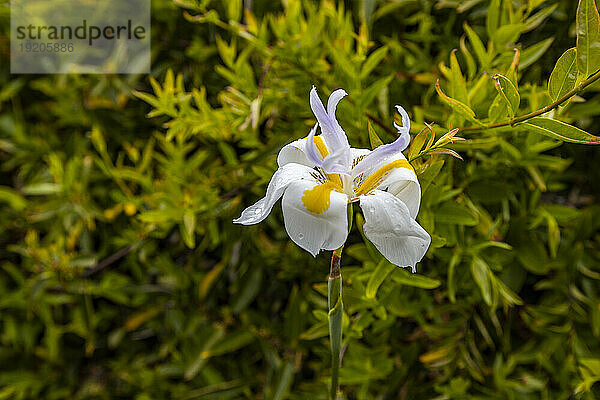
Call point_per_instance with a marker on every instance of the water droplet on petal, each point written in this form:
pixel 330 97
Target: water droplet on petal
pixel 257 211
pixel 371 209
pixel 301 236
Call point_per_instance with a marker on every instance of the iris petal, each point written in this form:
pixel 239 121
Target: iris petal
pixel 323 228
pixel 389 226
pixel 282 178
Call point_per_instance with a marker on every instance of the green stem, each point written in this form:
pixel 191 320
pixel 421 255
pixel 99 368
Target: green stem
pixel 336 312
pixel 512 122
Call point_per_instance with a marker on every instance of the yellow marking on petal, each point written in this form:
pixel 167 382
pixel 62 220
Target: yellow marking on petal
pixel 376 177
pixel 321 146
pixel 317 200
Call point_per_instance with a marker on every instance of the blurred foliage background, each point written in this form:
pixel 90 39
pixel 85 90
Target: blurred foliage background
pixel 122 275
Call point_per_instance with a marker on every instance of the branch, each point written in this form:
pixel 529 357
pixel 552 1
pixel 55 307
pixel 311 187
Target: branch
pixel 512 122
pixel 110 259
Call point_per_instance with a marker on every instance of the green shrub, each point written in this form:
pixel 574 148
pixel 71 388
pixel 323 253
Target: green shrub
pixel 122 275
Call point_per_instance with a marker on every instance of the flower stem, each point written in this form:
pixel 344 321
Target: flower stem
pixel 336 312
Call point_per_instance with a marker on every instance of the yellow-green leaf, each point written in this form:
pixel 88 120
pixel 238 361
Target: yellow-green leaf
pixel 377 277
pixel 459 86
pixel 457 106
pixel 563 76
pixel 559 130
pixel 373 137
pixel 481 274
pixel 509 93
pixel 588 37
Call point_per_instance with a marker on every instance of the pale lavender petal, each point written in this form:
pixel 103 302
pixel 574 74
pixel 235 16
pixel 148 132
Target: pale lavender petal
pixel 312 153
pixel 317 108
pixel 332 133
pixel 336 162
pixel 334 99
pixel 386 151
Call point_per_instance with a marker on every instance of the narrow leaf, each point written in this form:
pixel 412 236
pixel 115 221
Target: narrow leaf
pixel 448 152
pixel 406 278
pixel 509 93
pixel 372 61
pixel 493 14
pixel 559 130
pixel 459 86
pixel 481 274
pixel 377 277
pixel 563 76
pixel 478 46
pixel 373 137
pixel 588 37
pixel 533 53
pixel 457 106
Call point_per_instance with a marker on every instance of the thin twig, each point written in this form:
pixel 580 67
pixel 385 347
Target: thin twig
pixel 110 259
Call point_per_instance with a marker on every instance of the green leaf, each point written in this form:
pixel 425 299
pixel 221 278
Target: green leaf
pixel 564 75
pixel 455 214
pixel 588 37
pixel 478 46
pixel 409 279
pixel 481 274
pixel 493 14
pixel 12 197
pixel 454 261
pixel 369 94
pixel 373 138
pixel 533 53
pixel 506 35
pixel 42 189
pixel 459 86
pixel 535 20
pixel 457 106
pixel 471 66
pixel 189 226
pixel 559 130
pixel 498 109
pixel 284 382
pixel 373 61
pixel 377 277
pixel 509 93
pixel 249 290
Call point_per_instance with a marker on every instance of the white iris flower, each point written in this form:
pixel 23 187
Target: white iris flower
pixel 319 175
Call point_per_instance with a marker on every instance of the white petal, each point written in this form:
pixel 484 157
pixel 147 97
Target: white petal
pixel 358 153
pixel 281 179
pixel 403 183
pixel 389 226
pixel 313 232
pixel 294 152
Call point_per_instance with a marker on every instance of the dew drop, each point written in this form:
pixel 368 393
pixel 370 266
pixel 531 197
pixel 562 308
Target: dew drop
pixel 258 211
pixel 371 209
pixel 301 236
